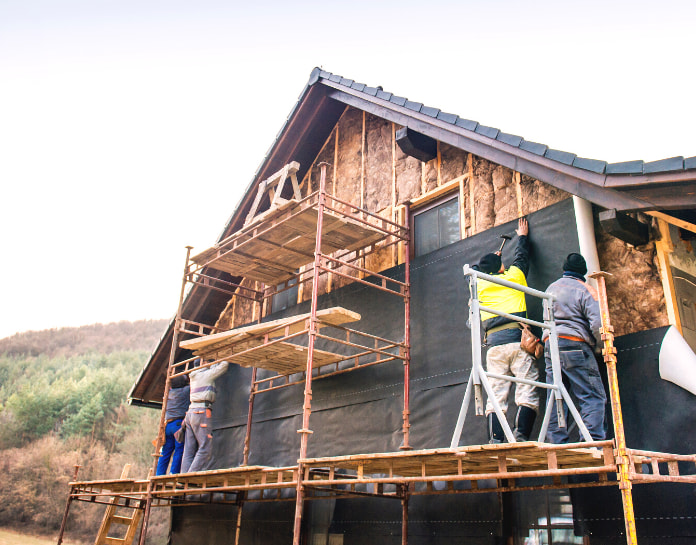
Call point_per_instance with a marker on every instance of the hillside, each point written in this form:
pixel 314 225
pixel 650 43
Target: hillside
pixel 76 341
pixel 63 403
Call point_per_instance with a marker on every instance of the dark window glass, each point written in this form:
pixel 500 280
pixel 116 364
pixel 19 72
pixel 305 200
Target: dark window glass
pixel 285 299
pixel 436 226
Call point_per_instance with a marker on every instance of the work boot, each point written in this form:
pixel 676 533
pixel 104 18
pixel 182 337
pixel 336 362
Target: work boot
pixel 495 430
pixel 524 422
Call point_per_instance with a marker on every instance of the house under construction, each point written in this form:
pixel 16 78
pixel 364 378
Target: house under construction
pixel 336 292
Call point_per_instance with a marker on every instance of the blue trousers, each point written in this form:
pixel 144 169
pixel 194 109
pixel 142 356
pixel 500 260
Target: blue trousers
pixel 171 446
pixel 584 383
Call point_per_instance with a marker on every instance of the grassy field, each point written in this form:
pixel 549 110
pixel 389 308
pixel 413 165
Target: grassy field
pixel 11 537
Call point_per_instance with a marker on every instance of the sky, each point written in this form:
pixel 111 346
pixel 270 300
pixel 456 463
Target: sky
pixel 130 128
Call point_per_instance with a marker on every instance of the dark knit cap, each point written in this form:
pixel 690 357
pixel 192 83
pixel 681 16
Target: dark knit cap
pixel 180 381
pixel 575 263
pixel 490 263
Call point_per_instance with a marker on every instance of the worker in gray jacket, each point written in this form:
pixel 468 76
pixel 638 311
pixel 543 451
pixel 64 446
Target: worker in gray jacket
pixel 198 445
pixel 578 321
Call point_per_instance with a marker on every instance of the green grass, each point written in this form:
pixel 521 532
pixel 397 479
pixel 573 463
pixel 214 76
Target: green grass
pixel 12 537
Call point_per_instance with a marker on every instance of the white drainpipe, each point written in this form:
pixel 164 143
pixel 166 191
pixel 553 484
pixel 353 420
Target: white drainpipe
pixel 586 234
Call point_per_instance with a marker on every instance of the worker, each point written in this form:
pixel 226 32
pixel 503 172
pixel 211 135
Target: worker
pixel 198 446
pixel 177 405
pixel 578 322
pixel 503 336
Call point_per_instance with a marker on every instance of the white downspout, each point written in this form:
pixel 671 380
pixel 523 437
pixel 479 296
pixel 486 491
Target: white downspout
pixel 586 234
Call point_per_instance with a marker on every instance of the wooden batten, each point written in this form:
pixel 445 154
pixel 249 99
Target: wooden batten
pixel 518 192
pixel 393 189
pixel 462 207
pixel 664 247
pixel 470 170
pixel 673 221
pixel 439 164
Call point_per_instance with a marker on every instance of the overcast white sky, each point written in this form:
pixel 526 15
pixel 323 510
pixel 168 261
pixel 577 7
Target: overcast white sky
pixel 129 128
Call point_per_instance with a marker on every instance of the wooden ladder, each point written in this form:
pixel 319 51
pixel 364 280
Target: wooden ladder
pixel 114 516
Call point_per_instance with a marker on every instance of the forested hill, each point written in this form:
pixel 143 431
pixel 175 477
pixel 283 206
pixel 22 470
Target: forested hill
pixel 76 341
pixel 63 402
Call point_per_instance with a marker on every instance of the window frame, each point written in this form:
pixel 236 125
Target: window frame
pixel 416 210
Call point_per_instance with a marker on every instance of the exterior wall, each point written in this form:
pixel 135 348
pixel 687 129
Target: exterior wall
pixel 371 171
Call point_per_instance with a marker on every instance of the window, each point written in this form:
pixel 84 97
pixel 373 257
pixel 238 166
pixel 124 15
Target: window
pixel 545 518
pixel 284 299
pixel 436 225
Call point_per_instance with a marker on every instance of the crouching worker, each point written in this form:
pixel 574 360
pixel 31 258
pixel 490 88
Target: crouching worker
pixel 578 321
pixel 503 336
pixel 198 445
pixel 177 404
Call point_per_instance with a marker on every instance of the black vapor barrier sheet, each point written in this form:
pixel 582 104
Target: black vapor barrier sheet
pixel 361 411
pixel 658 416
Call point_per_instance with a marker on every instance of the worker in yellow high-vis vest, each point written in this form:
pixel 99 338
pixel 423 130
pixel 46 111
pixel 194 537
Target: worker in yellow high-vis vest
pixel 503 336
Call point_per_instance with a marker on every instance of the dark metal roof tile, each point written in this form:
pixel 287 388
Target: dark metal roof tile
pixel 490 132
pixel 314 76
pixel 689 163
pixel 415 106
pixel 664 165
pixel 347 82
pixel 335 78
pixel 432 112
pixel 510 139
pixel 467 124
pixel 324 74
pixel 533 147
pixel 593 165
pixel 399 101
pixel 625 167
pixel 372 91
pixel 384 95
pixel 560 156
pixel 447 118
pixel 358 86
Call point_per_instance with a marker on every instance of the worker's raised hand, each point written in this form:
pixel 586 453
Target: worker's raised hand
pixel 522 227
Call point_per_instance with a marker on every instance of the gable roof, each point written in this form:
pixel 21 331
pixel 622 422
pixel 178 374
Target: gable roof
pixel 667 184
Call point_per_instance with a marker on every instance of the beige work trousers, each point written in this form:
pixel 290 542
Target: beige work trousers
pixel 509 359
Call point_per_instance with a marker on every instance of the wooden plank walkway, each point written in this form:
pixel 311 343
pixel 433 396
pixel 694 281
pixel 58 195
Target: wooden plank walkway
pixel 252 346
pixel 271 251
pixel 501 466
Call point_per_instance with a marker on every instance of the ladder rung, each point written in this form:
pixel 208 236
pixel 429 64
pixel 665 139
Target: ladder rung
pixel 122 520
pixel 114 541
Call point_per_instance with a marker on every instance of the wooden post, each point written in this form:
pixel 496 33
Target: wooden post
pixel 407 331
pixel 172 354
pixel 664 247
pixel 622 459
pixel 518 191
pixel 393 187
pixel 470 170
pixel 64 522
pixel 307 406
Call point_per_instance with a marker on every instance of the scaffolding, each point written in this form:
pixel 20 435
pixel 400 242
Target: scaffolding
pixel 299 240
pixel 478 379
